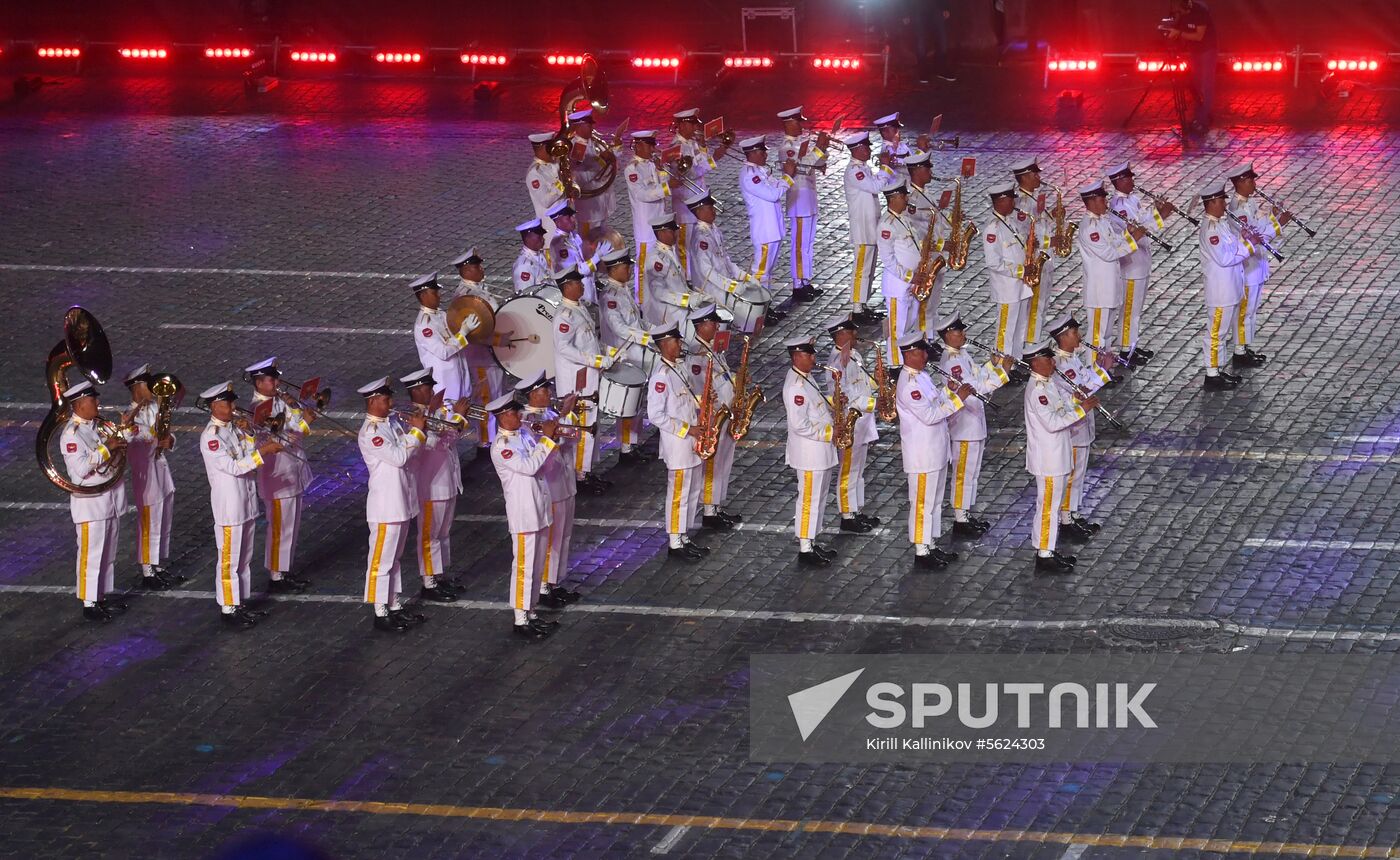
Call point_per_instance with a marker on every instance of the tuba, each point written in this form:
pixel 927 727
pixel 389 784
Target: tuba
pixel 710 422
pixel 746 399
pixel 885 407
pixel 85 347
pixel 589 89
pixel 168 392
pixel 960 234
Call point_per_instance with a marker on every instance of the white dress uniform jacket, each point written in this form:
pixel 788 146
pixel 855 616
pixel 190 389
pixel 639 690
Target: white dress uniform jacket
pixel 900 251
pixel 230 458
pixel 531 270
pixel 701 164
pixel 809 417
pixel 697 360
pixel 285 475
pixel 924 410
pixel 1004 247
pixel 542 182
pixel 518 459
pixel 83 455
pixel 802 196
pixel 763 195
pixel 667 293
pixel 620 320
pixel 715 272
pixel 576 346
pixel 1050 413
pixel 672 409
pixel 596 210
pixel 1139 209
pixel 1079 366
pixel 561 482
pixel 1259 215
pixel 151 480
pixel 650 194
pixel 441 351
pixel 436 472
pixel 1223 253
pixel 1103 244
pixel 388 447
pixel 969 424
pixel 864 183
pixel 859 387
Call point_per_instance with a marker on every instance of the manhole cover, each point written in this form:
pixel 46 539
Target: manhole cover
pixel 1162 628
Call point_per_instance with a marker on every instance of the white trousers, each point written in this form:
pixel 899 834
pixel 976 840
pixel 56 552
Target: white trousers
pixel 1074 484
pixel 560 538
pixel 527 561
pixel 1011 326
pixel 965 460
pixel 765 260
pixel 1038 306
pixel 586 445
pixel 1220 325
pixel 850 478
pixel 1249 306
pixel 682 499
pixel 928 311
pixel 283 525
pixel 382 575
pixel 863 277
pixel 153 523
pixel 1045 525
pixel 435 536
pixel 1134 300
pixel 97 556
pixel 811 502
pixel 901 317
pixel 233 574
pixel 1103 326
pixel 802 230
pixel 486 386
pixel 925 506
pixel 629 431
pixel 715 484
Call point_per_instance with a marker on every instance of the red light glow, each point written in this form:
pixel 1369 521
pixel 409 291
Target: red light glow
pixel 484 59
pixel 564 59
pixel 1350 65
pixel 1153 66
pixel 313 56
pixel 840 64
pixel 655 63
pixel 228 53
pixel 144 53
pixel 60 53
pixel 1243 65
pixel 398 57
pixel 1073 65
pixel 748 62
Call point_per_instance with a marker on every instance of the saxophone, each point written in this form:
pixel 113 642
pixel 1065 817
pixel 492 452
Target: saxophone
pixel 843 416
pixel 746 399
pixel 1035 259
pixel 710 422
pixel 960 234
pixel 1062 240
pixel 884 390
pixel 921 284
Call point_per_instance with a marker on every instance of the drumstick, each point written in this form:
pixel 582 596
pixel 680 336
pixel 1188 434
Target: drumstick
pixel 534 338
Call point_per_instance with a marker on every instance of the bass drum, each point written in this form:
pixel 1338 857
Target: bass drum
pixel 549 293
pixel 529 348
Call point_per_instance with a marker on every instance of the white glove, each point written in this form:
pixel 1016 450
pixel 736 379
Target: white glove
pixel 604 248
pixel 608 362
pixel 471 323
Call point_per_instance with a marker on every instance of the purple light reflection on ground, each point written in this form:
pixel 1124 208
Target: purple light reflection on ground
pixel 228 783
pixel 69 675
pixel 617 557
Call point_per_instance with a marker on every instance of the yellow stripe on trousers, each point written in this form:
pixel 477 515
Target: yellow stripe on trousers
pixel 1047 516
pixel 762 263
pixel 797 252
pixel 708 496
pixel 82 560
pixel 275 534
pixel 145 529
pixel 1033 316
pixel 959 476
pixel 372 587
pixel 580 452
pixel 806 504
pixel 896 357
pixel 641 271
pixel 1002 320
pixel 520 563
pixel 857 286
pixel 548 552
pixel 843 489
pixel 427 538
pixel 1069 485
pixel 226 566
pixel 1127 329
pixel 681 246
pixel 1215 337
pixel 678 479
pixel 1239 325
pixel 1094 336
pixel 624 431
pixel 919 489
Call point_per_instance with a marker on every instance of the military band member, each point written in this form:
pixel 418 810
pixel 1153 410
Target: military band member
pixel 859 388
pixel 486 375
pixel 152 486
pixel 925 206
pixel 86 454
pixel 576 347
pixel 925 408
pixel 1224 251
pixel 531 267
pixel 1031 202
pixel 622 327
pixel 673 409
pixel 1050 413
pixel 863 184
pixel 438 482
pixel 1083 373
pixel 519 460
pixel 1267 225
pixel 808 151
pixel 593 212
pixel 810 453
pixel 712 270
pixel 1137 267
pixel 568 248
pixel 688 126
pixel 967 428
pixel 893 148
pixel 1005 258
pixel 560 480
pixel 763 194
pixel 899 246
pixel 283 479
pixel 649 191
pixel 391 502
pixel 668 295
pixel 231 456
pixel 715 472
pixel 542 178
pixel 440 349
pixel 1104 241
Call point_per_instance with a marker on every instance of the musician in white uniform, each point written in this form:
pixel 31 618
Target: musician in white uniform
pixel 810 452
pixel 893 148
pixel 1104 242
pixel 561 482
pixel 567 248
pixel 673 409
pixel 863 184
pixel 859 388
pixel 1079 374
pixel 86 457
pixel 438 481
pixel 925 205
pixel 925 408
pixel 542 181
pixel 152 486
pixel 967 428
pixel 899 246
pixel 808 151
pixel 649 191
pixel 688 125
pixel 283 479
pixel 577 348
pixel 231 456
pixel 1004 250
pixel 714 272
pixel 1050 412
pixel 440 349
pixel 668 295
pixel 763 195
pixel 593 212
pixel 622 327
pixel 1224 251
pixel 1031 201
pixel 531 269
pixel 1267 225
pixel 388 448
pixel 519 460
pixel 715 472
pixel 1137 266
pixel 486 375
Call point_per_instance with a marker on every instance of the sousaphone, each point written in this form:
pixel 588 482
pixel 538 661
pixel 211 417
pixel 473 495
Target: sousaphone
pixel 588 90
pixel 85 347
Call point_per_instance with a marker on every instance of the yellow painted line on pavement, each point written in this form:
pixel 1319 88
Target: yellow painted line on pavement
pixel 707 822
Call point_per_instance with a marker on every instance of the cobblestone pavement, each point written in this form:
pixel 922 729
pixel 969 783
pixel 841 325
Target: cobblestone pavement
pixel 206 232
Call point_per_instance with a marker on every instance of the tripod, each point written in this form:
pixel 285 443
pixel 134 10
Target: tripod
pixel 1180 92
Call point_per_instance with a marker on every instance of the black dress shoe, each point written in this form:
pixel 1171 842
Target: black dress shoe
pixel 631 458
pixel 240 620
pixel 411 618
pixel 804 294
pixel 1052 564
pixel 1137 359
pixel 1247 360
pixel 1143 351
pixel 453 588
pixel 1094 528
pixel 873 522
pixel 686 552
pixel 254 613
pixel 551 600
pixel 981 523
pixel 1067 559
pixel 816 291
pixel 734 519
pixel 154 582
pixel 700 548
pixel 968 529
pixel 773 317
pixel 825 552
pixel 286 585
pixel 96 613
pixel 715 521
pixel 542 624
pixel 438 594
pixel 856 524
pixel 111 604
pixel 594 484
pixel 812 559
pixel 169 577
pixel 947 555
pixel 931 561
pixel 390 623
pixel 1074 532
pixel 565 594
pixel 528 631
pixel 1220 383
pixel 1233 377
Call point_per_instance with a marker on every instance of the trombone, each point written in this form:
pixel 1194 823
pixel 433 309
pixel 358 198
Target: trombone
pixel 683 165
pixel 1074 386
pixel 271 429
pixel 1296 220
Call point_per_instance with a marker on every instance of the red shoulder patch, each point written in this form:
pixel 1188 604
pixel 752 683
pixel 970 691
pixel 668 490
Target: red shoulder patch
pixel 534 183
pixel 884 234
pixel 213 444
pixel 377 442
pixel 612 304
pixel 792 153
pixel 507 454
pixel 1044 401
pixel 991 238
pixel 799 399
pixel 427 332
pixel 916 394
pixel 957 371
pixel 1093 237
pixel 1020 216
pixel 658 267
pixel 524 277
pixel 860 175
pixel 695 369
pixel 1244 219
pixel 1215 240
pixel 72 447
pixel 563 253
pixel 660 387
pixel 704 246
pixel 756 180
pixel 1070 373
pixel 631 177
pixel 563 328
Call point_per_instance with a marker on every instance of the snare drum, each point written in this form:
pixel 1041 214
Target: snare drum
pixel 620 390
pixel 749 305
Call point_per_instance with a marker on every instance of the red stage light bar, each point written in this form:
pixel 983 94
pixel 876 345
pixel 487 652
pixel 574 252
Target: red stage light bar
pixel 485 59
pixel 144 53
pixel 1251 65
pixel 1154 66
pixel 838 64
pixel 1353 64
pixel 564 59
pixel 313 56
pixel 56 53
pixel 656 63
pixel 748 62
pixel 228 53
pixel 1075 64
pixel 398 57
